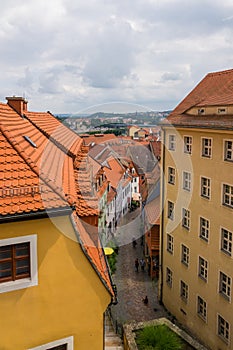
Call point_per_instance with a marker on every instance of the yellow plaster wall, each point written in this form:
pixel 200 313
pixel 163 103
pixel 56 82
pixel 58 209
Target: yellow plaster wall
pixel 219 171
pixel 69 300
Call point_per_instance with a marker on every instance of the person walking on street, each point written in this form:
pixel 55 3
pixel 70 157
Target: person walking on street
pixel 142 264
pixel 136 264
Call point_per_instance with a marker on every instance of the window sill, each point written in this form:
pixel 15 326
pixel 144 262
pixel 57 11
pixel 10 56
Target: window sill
pixel 18 284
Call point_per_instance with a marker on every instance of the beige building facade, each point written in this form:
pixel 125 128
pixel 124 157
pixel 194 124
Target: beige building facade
pixel 197 220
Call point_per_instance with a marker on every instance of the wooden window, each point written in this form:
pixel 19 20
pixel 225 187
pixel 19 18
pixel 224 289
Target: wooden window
pixel 14 262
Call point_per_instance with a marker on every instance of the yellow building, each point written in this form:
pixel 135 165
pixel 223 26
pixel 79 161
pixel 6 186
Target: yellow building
pixel 54 280
pixel 197 220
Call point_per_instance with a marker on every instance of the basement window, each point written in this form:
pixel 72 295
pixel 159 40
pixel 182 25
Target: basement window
pixel 29 140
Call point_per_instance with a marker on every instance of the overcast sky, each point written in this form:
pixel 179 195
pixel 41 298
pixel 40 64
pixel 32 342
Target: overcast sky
pixel 67 56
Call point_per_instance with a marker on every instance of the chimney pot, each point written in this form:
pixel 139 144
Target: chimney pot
pixel 19 104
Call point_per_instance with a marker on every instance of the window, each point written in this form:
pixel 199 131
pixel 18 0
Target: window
pixel 228 195
pixel 18 263
pixel 188 140
pixel 221 110
pixel 169 277
pixel 204 229
pixel 186 218
pixel 201 111
pixel 170 244
pixel 201 308
pixel 206 147
pixel 228 151
pixel 225 285
pixel 170 210
pixel 186 181
pixel 226 241
pixel 223 329
pixel 203 268
pixel 184 291
pixel 205 187
pixel 184 255
pixel 62 344
pixel 171 175
pixel 172 142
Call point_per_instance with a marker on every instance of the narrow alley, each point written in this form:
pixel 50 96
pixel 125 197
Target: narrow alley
pixel 132 287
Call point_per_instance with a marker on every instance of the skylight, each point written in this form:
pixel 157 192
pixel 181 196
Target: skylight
pixel 27 138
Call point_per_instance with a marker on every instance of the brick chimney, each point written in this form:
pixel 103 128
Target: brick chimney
pixel 19 104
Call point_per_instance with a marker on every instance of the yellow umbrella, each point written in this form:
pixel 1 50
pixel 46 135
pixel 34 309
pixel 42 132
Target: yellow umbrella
pixel 108 251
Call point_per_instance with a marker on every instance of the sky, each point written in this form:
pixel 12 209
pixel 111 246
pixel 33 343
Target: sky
pixel 76 56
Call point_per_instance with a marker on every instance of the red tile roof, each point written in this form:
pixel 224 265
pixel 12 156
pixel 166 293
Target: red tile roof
pixel 216 89
pixel 44 167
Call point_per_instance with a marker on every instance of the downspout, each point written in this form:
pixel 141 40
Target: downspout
pixel 162 222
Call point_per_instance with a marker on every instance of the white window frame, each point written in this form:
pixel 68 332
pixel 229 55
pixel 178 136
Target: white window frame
pixel 69 341
pixel 171 175
pixel 24 282
pixel 170 243
pixel 171 142
pixel 185 254
pixel 226 241
pixel 225 286
pixel 204 234
pixel 169 277
pixel 184 291
pixel 228 149
pixel 205 188
pixel 202 268
pixel 206 150
pixel 188 142
pixel 186 218
pixel 186 181
pixel 225 336
pixel 227 195
pixel 170 210
pixel 201 308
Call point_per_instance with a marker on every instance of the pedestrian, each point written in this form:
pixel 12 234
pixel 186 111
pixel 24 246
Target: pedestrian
pixel 136 264
pixel 142 264
pixel 145 300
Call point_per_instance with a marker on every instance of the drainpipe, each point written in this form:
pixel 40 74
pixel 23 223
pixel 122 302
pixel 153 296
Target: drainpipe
pixel 162 222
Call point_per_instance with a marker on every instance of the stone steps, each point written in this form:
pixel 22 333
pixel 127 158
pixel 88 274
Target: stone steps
pixel 112 340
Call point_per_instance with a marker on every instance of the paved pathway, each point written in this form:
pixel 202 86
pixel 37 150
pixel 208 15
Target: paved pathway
pixel 132 287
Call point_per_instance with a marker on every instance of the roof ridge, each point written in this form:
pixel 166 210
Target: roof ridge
pixel 56 142
pixel 226 71
pixel 30 163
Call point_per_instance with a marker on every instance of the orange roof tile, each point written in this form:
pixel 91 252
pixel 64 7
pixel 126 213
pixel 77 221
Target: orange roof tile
pixel 152 210
pixel 213 90
pixel 114 172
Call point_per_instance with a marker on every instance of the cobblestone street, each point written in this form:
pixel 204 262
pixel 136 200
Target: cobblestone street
pixel 132 287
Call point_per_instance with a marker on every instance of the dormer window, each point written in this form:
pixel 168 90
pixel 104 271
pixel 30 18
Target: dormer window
pixel 201 111
pixel 222 110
